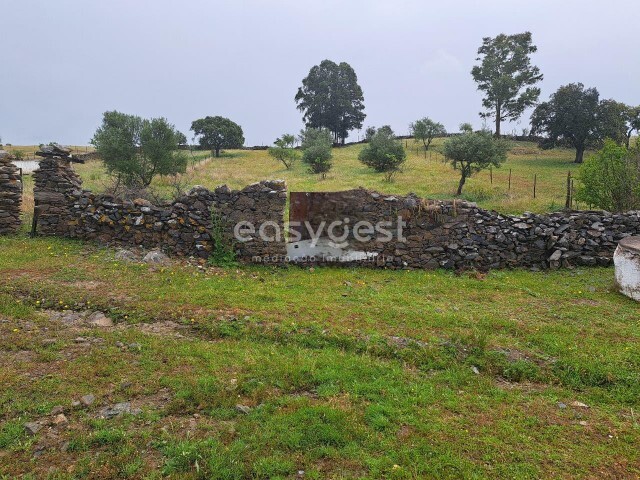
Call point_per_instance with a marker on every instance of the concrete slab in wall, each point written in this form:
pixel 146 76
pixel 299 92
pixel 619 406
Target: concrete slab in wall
pixel 627 264
pixel 324 250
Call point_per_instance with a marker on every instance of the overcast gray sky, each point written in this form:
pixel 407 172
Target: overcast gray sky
pixel 64 62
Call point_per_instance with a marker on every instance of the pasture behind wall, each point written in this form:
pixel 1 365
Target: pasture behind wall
pixel 436 234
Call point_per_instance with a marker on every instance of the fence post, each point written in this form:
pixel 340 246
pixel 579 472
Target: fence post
pixel 509 179
pixel 535 181
pixel 573 194
pixel 567 203
pixel 491 175
pixel 34 223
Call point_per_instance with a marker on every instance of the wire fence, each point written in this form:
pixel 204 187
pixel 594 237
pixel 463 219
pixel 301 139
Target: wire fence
pixel 529 185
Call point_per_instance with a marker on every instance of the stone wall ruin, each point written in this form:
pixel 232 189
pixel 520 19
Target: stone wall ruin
pixel 10 195
pixel 453 235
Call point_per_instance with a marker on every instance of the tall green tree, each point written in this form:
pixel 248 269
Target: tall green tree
pixel 610 179
pixel 574 116
pixel 383 153
pixel 633 122
pixel 182 139
pixel 612 121
pixel 473 152
pixel 425 130
pixel 506 76
pixel 137 149
pixel 331 98
pixel 284 151
pixel 217 133
pixel 316 150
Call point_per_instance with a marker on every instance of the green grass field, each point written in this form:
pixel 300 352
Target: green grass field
pixel 314 373
pixel 347 373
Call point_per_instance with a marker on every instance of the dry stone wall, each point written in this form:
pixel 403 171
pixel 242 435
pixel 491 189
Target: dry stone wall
pixel 437 234
pixel 10 195
pixel 183 227
pixel 459 235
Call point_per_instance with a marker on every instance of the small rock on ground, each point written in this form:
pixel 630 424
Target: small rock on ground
pixel 99 319
pixel 60 420
pixel 118 409
pixel 124 255
pixel 32 427
pixel 156 257
pixel 243 409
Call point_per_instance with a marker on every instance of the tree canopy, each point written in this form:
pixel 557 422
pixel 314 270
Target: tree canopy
pixel 331 98
pixel 472 152
pixel 217 133
pixel 425 130
pixel 181 138
pixel 612 121
pixel 316 150
pixel 138 149
pixel 506 76
pixel 383 153
pixel 574 116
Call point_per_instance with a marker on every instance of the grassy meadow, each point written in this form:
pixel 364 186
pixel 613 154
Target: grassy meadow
pixel 317 373
pixel 428 177
pixel 313 373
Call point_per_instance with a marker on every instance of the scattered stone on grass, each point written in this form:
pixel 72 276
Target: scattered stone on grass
pixel 99 319
pixel 243 409
pixel 156 257
pixel 58 409
pixel 60 420
pixel 118 409
pixel 32 428
pixel 124 255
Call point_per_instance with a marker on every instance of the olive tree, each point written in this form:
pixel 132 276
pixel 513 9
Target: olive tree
pixel 473 152
pixel 137 149
pixel 316 150
pixel 466 127
pixel 284 150
pixel 425 130
pixel 383 153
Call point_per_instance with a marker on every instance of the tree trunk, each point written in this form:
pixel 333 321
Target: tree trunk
pixel 579 155
pixel 217 152
pixel 463 179
pixel 498 114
